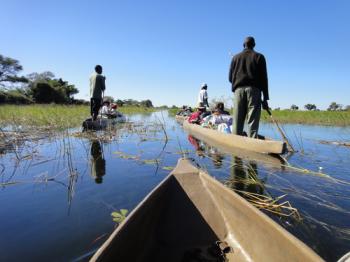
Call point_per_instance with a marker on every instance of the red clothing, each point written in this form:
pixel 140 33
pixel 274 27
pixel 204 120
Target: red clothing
pixel 194 118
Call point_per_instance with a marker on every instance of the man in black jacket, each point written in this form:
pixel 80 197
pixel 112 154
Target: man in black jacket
pixel 248 76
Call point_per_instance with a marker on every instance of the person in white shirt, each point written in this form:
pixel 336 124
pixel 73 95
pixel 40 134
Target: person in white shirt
pixel 203 96
pixel 105 111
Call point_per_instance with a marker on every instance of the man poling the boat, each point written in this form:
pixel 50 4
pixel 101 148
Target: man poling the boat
pixel 248 76
pixel 97 87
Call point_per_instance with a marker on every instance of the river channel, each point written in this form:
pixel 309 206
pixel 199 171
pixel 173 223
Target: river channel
pixel 58 191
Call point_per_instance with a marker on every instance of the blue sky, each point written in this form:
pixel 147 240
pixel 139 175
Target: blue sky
pixel 164 50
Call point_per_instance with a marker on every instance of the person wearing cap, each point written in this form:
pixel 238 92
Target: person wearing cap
pixel 97 86
pixel 248 76
pixel 203 95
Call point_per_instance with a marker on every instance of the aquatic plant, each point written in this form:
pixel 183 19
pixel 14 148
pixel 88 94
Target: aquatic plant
pixel 119 216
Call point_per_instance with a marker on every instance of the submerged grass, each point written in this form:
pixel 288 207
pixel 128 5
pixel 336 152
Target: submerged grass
pixel 53 116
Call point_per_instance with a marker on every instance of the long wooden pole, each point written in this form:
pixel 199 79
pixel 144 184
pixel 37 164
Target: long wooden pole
pixel 290 147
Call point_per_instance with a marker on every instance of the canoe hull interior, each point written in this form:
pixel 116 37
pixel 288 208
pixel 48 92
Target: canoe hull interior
pixel 187 213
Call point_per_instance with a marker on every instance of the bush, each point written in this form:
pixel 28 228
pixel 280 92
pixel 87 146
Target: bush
pixel 43 92
pixel 14 97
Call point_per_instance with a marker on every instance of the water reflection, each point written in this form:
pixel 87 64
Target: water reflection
pixel 203 150
pixel 244 176
pixel 98 162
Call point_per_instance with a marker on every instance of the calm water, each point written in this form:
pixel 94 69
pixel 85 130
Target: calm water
pixel 57 194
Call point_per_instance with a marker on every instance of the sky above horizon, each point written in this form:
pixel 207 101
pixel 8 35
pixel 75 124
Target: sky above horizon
pixel 164 50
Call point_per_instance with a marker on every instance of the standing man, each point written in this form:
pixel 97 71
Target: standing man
pixel 203 96
pixel 248 76
pixel 97 86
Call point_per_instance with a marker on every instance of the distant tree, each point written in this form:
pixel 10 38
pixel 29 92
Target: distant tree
pixel 44 76
pixel 310 107
pixel 294 107
pixel 277 108
pixel 174 107
pixel 146 103
pixel 52 90
pixel 119 102
pixel 334 107
pixel 131 102
pixel 9 68
pixel 347 108
pixel 43 92
pixel 109 98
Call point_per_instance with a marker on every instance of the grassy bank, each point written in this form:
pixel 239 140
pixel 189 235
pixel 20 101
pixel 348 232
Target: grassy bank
pixel 326 118
pixel 53 116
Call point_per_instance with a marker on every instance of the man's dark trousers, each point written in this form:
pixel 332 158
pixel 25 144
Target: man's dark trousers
pixel 247 104
pixel 95 105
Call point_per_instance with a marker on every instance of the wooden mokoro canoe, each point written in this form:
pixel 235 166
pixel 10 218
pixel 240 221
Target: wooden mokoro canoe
pixel 187 214
pixel 217 139
pixel 102 123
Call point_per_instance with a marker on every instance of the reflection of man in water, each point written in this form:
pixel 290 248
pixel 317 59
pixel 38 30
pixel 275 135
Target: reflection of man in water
pixel 242 174
pixel 98 163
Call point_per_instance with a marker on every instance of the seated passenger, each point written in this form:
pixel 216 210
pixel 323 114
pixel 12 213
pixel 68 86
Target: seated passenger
pixel 184 111
pixel 113 113
pixel 221 108
pixel 195 118
pixel 105 109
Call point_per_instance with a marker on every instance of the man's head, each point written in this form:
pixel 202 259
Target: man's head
pixel 249 42
pixel 98 69
pixel 220 106
pixel 204 86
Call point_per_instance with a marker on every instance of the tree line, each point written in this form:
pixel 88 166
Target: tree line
pixel 43 88
pixel 33 88
pixel 332 107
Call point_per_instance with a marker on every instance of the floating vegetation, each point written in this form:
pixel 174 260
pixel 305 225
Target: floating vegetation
pixel 273 205
pixel 150 161
pixel 119 216
pixel 335 143
pixel 169 168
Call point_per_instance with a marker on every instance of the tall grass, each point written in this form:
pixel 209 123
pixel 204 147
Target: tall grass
pixel 52 116
pixel 327 118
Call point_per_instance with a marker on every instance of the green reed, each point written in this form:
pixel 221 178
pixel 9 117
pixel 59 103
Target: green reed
pixel 52 115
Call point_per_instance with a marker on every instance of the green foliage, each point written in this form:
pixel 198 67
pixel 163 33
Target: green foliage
pixel 327 118
pixel 47 116
pixel 146 103
pixel 43 92
pixel 16 96
pixel 294 107
pixel 310 107
pixel 334 107
pixel 119 102
pixel 119 216
pixel 9 68
pixel 54 116
pixel 44 89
